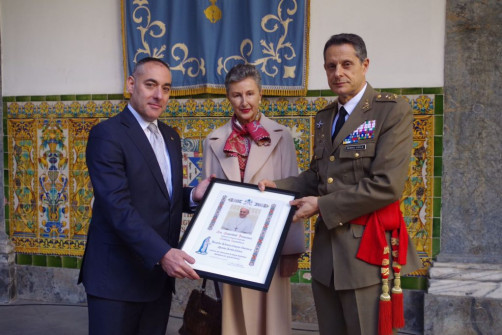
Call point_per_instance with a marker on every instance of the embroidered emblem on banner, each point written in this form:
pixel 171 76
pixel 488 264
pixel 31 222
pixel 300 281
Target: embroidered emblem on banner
pixel 363 132
pixel 272 35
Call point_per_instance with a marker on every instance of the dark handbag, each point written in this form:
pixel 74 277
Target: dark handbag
pixel 202 314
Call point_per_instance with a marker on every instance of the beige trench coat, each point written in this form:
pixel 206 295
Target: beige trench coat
pixel 246 311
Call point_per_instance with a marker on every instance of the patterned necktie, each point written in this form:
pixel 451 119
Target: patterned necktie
pixel 159 148
pixel 339 123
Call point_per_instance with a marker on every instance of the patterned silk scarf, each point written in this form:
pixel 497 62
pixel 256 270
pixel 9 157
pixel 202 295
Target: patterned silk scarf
pixel 239 142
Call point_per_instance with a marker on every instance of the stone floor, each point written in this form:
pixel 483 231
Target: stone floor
pixel 34 318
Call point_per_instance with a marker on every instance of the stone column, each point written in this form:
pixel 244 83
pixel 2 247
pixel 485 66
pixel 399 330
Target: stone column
pixel 465 293
pixel 7 265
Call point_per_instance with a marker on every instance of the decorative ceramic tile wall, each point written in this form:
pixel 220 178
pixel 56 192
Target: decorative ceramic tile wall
pixel 50 195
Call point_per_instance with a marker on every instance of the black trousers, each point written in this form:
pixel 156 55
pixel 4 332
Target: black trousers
pixel 114 317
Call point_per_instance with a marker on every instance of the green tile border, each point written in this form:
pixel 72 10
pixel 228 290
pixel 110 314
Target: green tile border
pixel 23 98
pixel 414 283
pixel 38 98
pixel 53 98
pixel 6 174
pixel 295 278
pixel 69 262
pixel 412 91
pixel 438 104
pixel 54 261
pixel 326 93
pixel 436 227
pixel 432 90
pixel 100 97
pixel 436 246
pixel 438 146
pixel 24 259
pixel 436 207
pixel 438 125
pixel 437 187
pixel 83 97
pixel 6 195
pixel 314 93
pixel 40 260
pixel 68 97
pixel 438 166
pixel 116 97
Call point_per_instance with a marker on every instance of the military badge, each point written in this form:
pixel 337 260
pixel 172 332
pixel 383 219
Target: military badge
pixel 363 132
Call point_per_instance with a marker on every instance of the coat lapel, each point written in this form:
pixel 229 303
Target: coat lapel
pixel 229 165
pixel 138 137
pixel 259 155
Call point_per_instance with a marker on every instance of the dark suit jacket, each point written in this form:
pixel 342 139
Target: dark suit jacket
pixel 134 223
pixel 353 179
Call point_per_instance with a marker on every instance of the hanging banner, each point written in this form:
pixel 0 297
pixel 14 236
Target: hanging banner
pixel 202 40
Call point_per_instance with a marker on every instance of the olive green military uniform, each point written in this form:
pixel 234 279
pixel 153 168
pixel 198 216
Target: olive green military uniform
pixel 363 169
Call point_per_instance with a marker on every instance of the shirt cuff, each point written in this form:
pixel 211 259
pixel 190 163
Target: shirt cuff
pixel 193 204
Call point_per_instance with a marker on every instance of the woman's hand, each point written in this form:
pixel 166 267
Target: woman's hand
pixel 264 183
pixel 200 189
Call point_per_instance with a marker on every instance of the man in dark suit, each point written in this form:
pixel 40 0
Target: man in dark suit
pixel 131 259
pixel 359 168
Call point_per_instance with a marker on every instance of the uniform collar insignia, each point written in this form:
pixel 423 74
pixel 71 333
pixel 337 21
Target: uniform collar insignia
pixel 366 105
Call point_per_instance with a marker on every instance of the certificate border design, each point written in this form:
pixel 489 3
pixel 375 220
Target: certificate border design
pixel 264 256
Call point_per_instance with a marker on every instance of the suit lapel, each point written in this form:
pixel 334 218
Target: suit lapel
pixel 174 157
pixel 138 137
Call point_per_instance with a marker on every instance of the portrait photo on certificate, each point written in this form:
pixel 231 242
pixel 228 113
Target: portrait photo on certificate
pixel 237 233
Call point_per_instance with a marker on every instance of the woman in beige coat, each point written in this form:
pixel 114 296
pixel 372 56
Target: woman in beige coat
pixel 249 148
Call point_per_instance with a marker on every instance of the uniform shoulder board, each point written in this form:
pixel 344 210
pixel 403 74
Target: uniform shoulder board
pixel 327 107
pixel 386 97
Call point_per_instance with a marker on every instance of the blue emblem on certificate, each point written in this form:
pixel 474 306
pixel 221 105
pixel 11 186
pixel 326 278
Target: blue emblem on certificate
pixel 203 247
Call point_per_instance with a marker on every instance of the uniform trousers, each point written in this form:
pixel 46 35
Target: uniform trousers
pixel 346 312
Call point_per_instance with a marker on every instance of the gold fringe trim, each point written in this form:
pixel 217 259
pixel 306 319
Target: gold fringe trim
pixel 215 90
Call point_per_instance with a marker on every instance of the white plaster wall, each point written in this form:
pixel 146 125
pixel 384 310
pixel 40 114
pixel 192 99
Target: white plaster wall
pixel 75 46
pixel 61 47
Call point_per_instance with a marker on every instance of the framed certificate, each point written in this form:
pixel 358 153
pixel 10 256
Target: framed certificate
pixel 238 232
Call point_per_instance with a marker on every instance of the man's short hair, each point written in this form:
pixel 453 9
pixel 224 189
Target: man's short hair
pixel 355 40
pixel 145 60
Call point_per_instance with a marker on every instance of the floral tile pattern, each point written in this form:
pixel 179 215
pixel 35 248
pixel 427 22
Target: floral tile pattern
pixel 50 195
